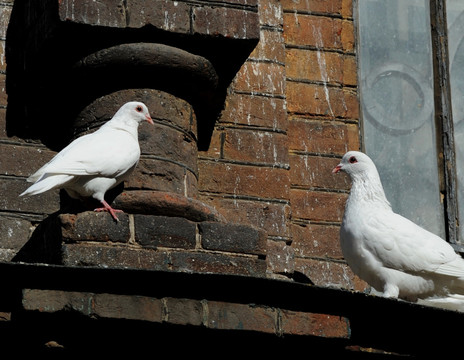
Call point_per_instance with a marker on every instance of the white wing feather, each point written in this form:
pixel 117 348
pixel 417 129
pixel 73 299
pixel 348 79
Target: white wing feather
pixel 400 244
pixel 94 154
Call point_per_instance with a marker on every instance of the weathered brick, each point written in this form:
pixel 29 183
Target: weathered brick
pixel 232 238
pixel 268 216
pixel 347 35
pixel 5 14
pixel 164 14
pixel 328 273
pixel 321 100
pixel 316 172
pixel 154 140
pixel 82 254
pixel 95 226
pixel 350 70
pixel 130 307
pixel 347 9
pixel 228 22
pixel 162 175
pixel 3 131
pixel 322 325
pixel 106 12
pixel 3 93
pixel 280 258
pixel 14 232
pixel 183 311
pixel 259 77
pixel 253 110
pixel 229 316
pixel 164 231
pixel 23 160
pixel 333 7
pixel 271 47
pixel 57 300
pixel 7 254
pixel 45 203
pixel 319 31
pixel 204 262
pixel 256 146
pixel 322 137
pixel 243 180
pixel 318 205
pixel 248 3
pixel 2 55
pixel 270 13
pixel 316 31
pixel 310 65
pixel 315 240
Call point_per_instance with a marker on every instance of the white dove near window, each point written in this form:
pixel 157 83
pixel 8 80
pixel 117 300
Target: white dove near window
pixel 391 253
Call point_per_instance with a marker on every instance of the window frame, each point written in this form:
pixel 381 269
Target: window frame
pixel 443 119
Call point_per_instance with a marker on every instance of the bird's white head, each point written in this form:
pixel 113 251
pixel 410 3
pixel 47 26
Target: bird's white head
pixel 367 185
pixel 135 110
pixel 355 163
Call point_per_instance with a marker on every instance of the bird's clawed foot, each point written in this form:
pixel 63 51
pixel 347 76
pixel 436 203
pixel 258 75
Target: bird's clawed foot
pixel 109 209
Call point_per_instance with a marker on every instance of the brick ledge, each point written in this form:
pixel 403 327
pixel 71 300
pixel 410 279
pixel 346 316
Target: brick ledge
pixel 331 321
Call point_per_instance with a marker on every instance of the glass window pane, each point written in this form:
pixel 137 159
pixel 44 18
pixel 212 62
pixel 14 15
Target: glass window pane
pixel 397 106
pixel 455 20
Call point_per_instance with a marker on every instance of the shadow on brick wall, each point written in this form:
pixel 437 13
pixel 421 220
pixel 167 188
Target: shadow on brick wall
pixel 46 88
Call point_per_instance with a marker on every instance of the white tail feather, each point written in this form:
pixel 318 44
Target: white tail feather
pixel 47 183
pixel 450 302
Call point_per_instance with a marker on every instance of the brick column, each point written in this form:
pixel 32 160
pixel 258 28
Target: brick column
pixel 176 57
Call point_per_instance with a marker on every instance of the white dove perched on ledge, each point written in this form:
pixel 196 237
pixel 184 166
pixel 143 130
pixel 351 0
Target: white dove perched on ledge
pixel 392 254
pixel 94 163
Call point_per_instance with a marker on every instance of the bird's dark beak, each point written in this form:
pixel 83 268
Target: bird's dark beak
pixel 337 169
pixel 149 119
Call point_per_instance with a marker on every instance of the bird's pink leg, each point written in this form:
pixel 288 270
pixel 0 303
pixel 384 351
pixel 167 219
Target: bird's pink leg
pixel 108 208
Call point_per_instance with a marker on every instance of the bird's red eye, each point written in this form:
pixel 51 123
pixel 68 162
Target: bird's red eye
pixel 353 160
pixel 139 109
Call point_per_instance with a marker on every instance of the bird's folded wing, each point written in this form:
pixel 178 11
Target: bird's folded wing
pixel 454 268
pixel 97 154
pixel 400 244
pixel 57 158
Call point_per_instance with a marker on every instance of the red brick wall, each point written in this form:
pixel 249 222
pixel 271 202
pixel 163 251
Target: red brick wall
pixel 246 172
pixel 290 114
pixel 323 113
